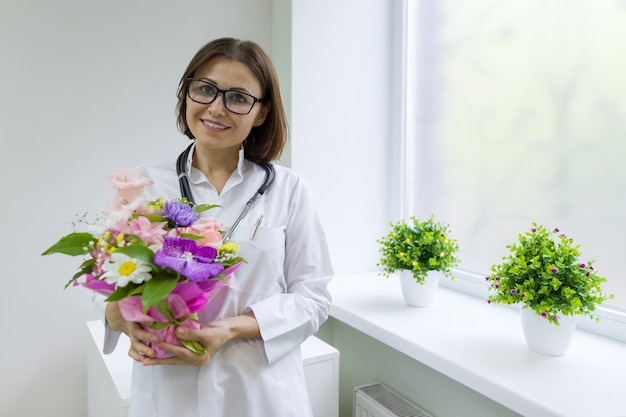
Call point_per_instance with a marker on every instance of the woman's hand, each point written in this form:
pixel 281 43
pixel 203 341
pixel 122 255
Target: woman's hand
pixel 139 338
pixel 211 336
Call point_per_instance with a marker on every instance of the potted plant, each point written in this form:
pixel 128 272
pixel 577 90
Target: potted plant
pixel 417 249
pixel 544 274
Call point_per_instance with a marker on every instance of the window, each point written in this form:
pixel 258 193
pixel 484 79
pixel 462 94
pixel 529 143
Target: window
pixel 516 112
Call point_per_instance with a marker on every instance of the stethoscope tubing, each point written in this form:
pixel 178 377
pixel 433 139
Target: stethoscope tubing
pixel 185 189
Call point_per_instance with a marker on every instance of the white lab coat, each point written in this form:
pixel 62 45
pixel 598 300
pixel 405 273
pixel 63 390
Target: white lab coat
pixel 284 283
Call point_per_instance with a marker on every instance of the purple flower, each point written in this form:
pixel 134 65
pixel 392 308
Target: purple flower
pixel 513 292
pixel 543 314
pixel 188 259
pixel 555 319
pixel 523 295
pixel 554 270
pixel 181 214
pixel 534 229
pixel 582 265
pixel 556 229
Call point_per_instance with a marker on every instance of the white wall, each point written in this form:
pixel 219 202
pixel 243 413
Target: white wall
pixel 86 87
pixel 345 124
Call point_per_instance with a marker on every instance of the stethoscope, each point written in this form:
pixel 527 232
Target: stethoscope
pixel 185 189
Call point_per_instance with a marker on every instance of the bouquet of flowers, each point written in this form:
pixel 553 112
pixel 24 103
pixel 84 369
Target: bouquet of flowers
pixel 159 259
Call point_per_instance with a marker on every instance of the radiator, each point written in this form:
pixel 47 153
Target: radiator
pixel 379 401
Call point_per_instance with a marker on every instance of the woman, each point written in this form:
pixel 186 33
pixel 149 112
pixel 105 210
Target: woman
pixel 229 104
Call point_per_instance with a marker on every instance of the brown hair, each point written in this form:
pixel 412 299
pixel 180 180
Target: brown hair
pixel 265 142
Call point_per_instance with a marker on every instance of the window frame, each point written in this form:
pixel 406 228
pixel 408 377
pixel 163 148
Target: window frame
pixel 611 320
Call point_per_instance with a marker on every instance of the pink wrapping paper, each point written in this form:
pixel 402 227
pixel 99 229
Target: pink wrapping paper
pixel 187 299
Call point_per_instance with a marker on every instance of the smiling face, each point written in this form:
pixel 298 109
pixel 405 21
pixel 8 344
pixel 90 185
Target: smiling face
pixel 215 127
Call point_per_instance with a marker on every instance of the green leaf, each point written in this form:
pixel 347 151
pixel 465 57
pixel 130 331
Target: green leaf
pixel 122 292
pixel 164 308
pixel 140 252
pixel 158 325
pixel 157 289
pixel 85 268
pixel 73 244
pixel 193 346
pixel 191 236
pixel 204 207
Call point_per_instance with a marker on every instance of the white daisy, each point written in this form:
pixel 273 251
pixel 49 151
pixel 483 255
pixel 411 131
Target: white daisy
pixel 122 269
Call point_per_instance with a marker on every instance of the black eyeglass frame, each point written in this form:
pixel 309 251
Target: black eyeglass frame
pixel 223 92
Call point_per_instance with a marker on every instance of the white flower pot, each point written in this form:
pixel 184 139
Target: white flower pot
pixel 419 295
pixel 544 337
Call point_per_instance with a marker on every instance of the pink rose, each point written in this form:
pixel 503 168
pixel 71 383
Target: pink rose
pixel 129 185
pixel 209 229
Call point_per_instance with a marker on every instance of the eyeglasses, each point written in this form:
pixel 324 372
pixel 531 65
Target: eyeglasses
pixel 235 101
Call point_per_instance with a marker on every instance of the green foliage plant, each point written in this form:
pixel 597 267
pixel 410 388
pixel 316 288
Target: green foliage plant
pixel 543 272
pixel 418 246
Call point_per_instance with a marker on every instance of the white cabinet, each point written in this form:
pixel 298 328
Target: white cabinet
pixel 321 371
pixel 108 376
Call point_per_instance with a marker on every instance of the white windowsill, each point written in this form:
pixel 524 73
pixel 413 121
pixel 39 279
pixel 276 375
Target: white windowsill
pixel 482 347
